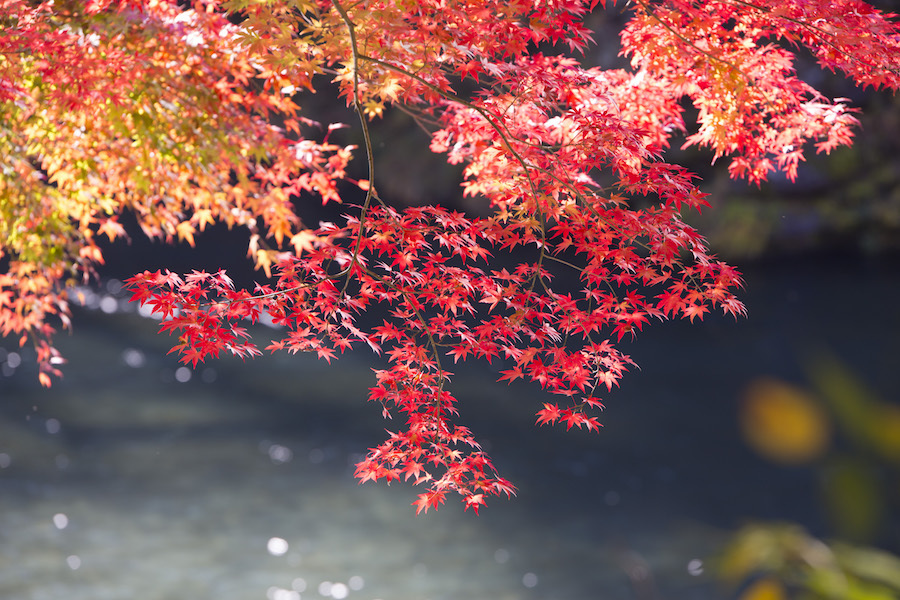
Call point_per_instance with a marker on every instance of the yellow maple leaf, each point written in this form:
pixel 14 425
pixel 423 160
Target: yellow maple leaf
pixel 391 90
pixel 264 261
pixel 203 217
pixel 185 232
pixel 303 241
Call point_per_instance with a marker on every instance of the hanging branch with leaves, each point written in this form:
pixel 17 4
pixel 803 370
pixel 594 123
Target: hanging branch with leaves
pixel 187 115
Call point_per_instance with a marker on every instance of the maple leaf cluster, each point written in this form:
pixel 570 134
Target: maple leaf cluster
pixel 187 115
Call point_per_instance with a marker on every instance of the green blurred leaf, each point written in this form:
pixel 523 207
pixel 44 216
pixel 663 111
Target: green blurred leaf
pixel 781 560
pixel 871 564
pixel 853 496
pixel 867 420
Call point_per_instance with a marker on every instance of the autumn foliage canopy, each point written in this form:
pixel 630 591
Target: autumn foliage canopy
pixel 187 114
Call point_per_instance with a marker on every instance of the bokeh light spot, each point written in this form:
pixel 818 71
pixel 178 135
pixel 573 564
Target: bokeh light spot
pixel 280 454
pixel 109 305
pixel 695 567
pixel 783 423
pixel 339 591
pixel 277 546
pixel 208 375
pixel 277 593
pixel 114 287
pixel 13 359
pixel 183 374
pixel 133 358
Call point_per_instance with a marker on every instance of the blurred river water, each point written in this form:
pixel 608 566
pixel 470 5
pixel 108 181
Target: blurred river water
pixel 136 478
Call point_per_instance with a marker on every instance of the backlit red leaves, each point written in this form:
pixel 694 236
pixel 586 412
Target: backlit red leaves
pixel 752 105
pixel 443 305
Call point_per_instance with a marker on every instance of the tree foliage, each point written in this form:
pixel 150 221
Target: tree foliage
pixel 185 114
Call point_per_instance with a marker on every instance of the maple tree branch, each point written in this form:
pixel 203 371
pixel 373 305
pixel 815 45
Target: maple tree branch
pixel 418 117
pixel 493 121
pixel 490 118
pixel 564 262
pixel 370 156
pixel 431 341
pixel 505 136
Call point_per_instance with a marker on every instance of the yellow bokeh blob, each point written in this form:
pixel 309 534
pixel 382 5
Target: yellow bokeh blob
pixel 783 423
pixel 764 589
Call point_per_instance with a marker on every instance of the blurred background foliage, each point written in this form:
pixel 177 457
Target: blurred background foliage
pixel 851 436
pixel 780 561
